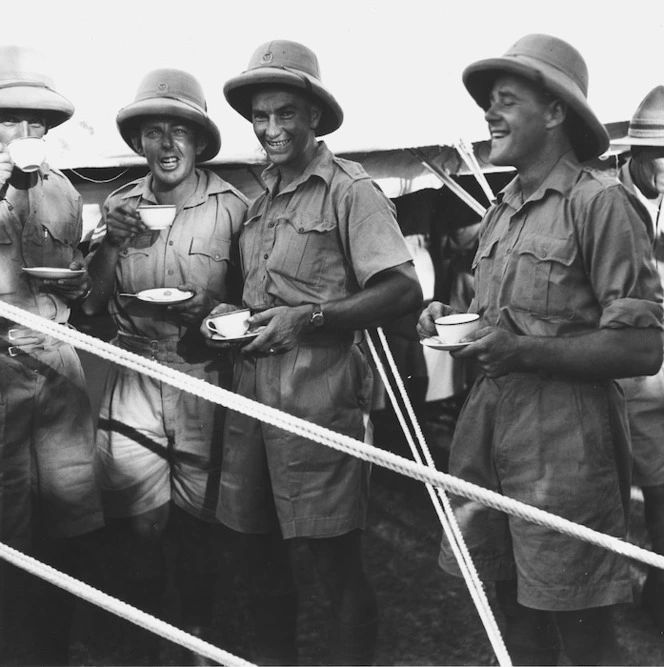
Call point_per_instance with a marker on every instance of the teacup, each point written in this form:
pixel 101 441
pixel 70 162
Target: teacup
pixel 157 216
pixel 452 329
pixel 230 325
pixel 27 153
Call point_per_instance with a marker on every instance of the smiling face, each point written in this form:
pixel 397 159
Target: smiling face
pixel 648 169
pixel 170 146
pixel 285 123
pixel 519 118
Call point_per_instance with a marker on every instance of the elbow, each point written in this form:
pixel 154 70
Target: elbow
pixel 412 297
pixel 654 361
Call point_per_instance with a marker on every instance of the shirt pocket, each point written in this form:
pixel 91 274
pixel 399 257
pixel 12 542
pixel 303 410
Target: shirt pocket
pixel 134 270
pixel 543 281
pixel 51 245
pixel 208 261
pixel 306 250
pixel 10 264
pixel 483 268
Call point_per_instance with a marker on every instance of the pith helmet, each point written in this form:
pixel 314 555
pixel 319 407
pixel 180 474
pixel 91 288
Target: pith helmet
pixel 170 92
pixel 289 64
pixel 24 85
pixel 559 68
pixel 647 125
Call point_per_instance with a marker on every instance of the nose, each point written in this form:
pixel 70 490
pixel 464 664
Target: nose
pixel 490 113
pixel 24 129
pixel 273 129
pixel 167 140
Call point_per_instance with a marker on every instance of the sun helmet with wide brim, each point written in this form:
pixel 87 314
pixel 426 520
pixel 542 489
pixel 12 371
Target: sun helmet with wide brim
pixel 24 85
pixel 284 63
pixel 170 92
pixel 557 67
pixel 647 125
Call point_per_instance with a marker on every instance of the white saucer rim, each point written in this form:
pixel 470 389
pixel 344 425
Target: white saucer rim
pixel 246 336
pixel 56 272
pixel 189 294
pixel 433 342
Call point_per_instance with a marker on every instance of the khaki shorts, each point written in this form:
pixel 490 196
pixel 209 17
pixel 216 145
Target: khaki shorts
pixel 46 446
pixel 272 478
pixel 156 443
pixel 645 409
pixel 560 446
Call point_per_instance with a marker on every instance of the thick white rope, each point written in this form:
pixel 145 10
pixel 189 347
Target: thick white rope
pixel 328 437
pixel 119 608
pixel 440 501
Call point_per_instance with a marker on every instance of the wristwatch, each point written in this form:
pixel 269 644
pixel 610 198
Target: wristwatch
pixel 317 319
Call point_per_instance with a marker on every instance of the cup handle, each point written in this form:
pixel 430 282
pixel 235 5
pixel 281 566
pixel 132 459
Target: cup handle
pixel 210 325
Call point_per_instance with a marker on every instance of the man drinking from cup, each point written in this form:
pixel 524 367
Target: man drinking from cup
pixel 159 447
pixel 570 300
pixel 49 501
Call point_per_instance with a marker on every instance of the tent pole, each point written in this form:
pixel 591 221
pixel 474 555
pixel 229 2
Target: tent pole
pixel 465 150
pixel 447 180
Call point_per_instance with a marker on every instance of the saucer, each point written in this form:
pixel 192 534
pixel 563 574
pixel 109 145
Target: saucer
pixel 51 272
pixel 238 339
pixel 164 295
pixel 435 344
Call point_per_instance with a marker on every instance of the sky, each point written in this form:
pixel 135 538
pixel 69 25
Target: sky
pixel 395 67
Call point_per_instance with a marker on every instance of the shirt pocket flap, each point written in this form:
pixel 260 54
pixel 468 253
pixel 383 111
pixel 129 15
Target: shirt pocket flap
pixel 5 238
pixel 483 251
pixel 216 249
pixel 305 224
pixel 61 233
pixel 547 249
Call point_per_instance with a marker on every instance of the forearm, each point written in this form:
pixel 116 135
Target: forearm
pixel 101 268
pixel 600 355
pixel 387 296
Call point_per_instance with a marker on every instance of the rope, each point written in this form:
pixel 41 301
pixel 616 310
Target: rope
pixel 444 510
pixel 94 180
pixel 328 437
pixel 119 608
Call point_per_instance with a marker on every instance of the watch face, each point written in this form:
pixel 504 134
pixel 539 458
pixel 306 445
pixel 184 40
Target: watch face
pixel 317 318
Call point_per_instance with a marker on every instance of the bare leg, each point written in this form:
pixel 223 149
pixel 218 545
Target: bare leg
pixel 653 589
pixel 354 613
pixel 530 634
pixel 588 636
pixel 139 541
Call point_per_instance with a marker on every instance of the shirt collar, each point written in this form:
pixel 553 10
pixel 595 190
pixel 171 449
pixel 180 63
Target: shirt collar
pixel 322 166
pixel 625 176
pixel 561 178
pixel 208 184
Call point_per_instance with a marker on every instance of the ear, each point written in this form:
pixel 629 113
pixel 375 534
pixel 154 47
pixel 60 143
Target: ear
pixel 201 143
pixel 556 114
pixel 136 143
pixel 315 115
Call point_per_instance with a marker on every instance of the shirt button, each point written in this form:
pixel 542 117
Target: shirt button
pixel 301 229
pixel 170 272
pixel 270 224
pixel 170 243
pixel 265 256
pixel 125 252
pixel 10 207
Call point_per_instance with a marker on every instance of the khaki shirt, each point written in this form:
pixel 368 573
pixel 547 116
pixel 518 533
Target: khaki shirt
pixel 319 239
pixel 49 237
pixel 574 257
pixel 197 248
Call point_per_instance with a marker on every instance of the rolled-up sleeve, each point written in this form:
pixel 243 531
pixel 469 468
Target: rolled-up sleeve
pixel 619 261
pixel 369 230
